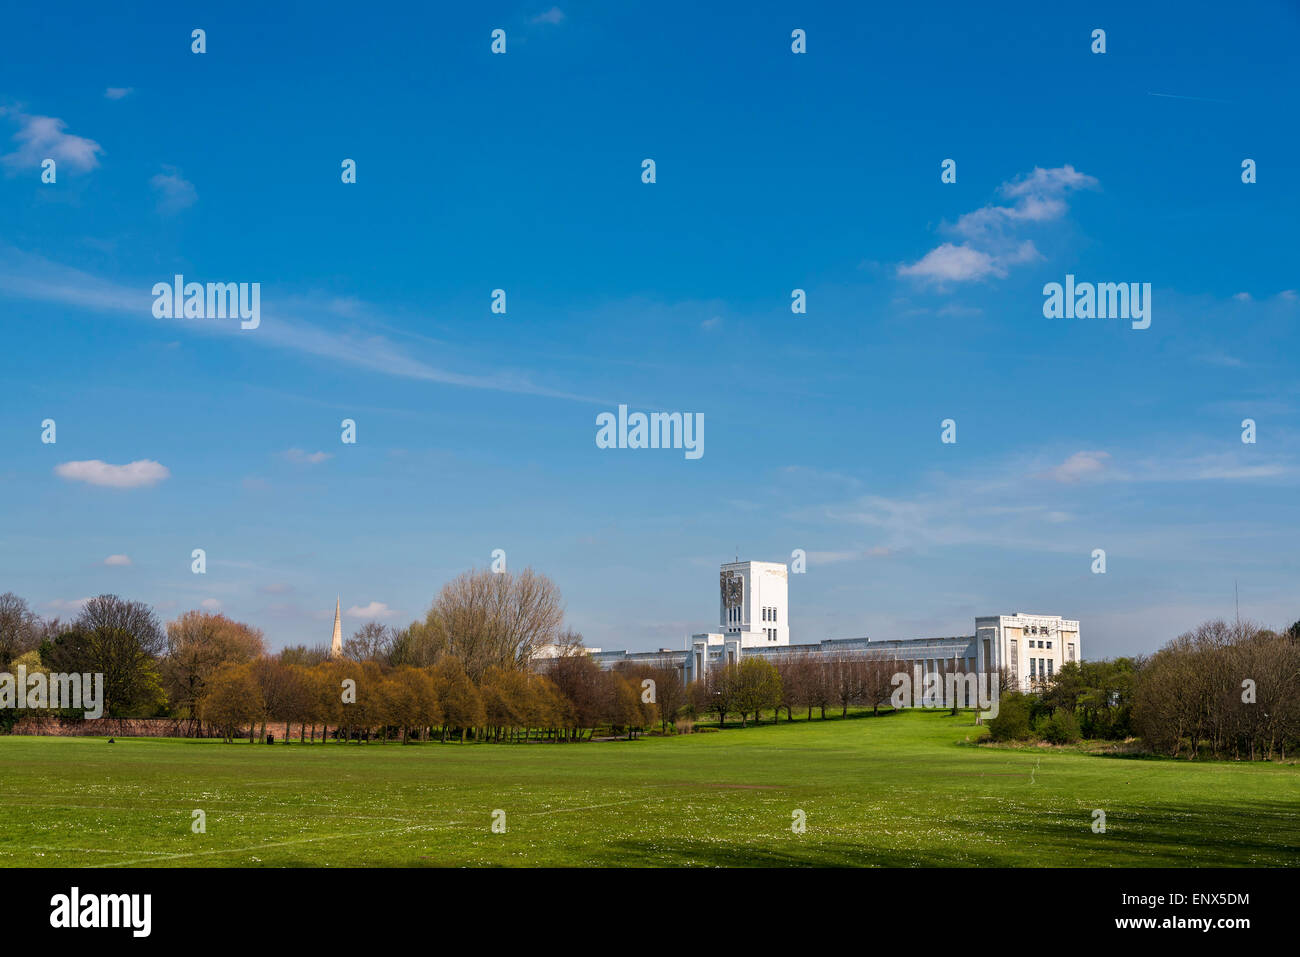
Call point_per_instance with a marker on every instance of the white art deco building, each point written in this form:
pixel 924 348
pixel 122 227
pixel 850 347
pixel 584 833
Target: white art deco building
pixel 753 619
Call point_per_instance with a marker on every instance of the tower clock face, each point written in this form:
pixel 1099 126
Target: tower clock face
pixel 733 589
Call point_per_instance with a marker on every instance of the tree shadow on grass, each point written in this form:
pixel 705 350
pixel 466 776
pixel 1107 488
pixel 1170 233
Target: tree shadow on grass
pixel 1261 834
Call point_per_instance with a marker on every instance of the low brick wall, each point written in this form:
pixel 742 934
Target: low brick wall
pixel 56 726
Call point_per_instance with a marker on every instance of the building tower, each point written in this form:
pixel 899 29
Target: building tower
pixel 336 642
pixel 753 603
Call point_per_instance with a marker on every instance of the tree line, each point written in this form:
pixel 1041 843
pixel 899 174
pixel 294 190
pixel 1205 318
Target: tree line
pixel 1222 690
pixel 492 661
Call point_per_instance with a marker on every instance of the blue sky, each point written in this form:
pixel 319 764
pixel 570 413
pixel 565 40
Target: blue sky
pixel 775 171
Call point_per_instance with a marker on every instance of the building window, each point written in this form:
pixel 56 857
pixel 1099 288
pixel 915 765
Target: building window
pixel 1049 646
pixel 1049 667
pixel 1071 649
pixel 1033 667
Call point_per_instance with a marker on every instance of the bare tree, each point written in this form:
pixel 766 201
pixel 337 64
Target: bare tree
pixel 1230 689
pixel 20 629
pixel 878 681
pixel 486 618
pixel 373 641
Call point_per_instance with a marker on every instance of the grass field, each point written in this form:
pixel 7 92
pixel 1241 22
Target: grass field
pixel 905 789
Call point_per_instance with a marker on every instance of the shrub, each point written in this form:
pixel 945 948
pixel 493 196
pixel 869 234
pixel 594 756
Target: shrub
pixel 1012 722
pixel 1060 727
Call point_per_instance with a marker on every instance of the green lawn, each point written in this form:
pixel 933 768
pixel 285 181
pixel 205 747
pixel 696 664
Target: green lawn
pixel 902 789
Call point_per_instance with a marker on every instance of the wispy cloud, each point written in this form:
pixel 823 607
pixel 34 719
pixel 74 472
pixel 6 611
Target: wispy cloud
pixel 67 606
pixel 1221 359
pixel 1179 96
pixel 1079 466
pixel 553 16
pixel 139 474
pixel 835 558
pixel 118 92
pixel 24 276
pixel 117 561
pixel 988 242
pixel 299 457
pixel 1008 505
pixel 173 191
pixel 42 137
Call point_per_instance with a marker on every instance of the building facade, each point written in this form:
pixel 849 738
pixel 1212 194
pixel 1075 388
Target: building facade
pixel 753 612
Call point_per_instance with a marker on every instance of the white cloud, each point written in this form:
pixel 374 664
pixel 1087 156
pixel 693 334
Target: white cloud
pixel 42 137
pixel 211 604
pixel 553 15
pixel 117 560
pixel 953 263
pixel 118 92
pixel 989 243
pixel 1079 466
pixel 174 191
pixel 376 609
pixel 299 457
pixel 138 474
pixel 1049 181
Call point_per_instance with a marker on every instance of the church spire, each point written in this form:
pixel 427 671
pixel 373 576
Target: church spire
pixel 336 642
